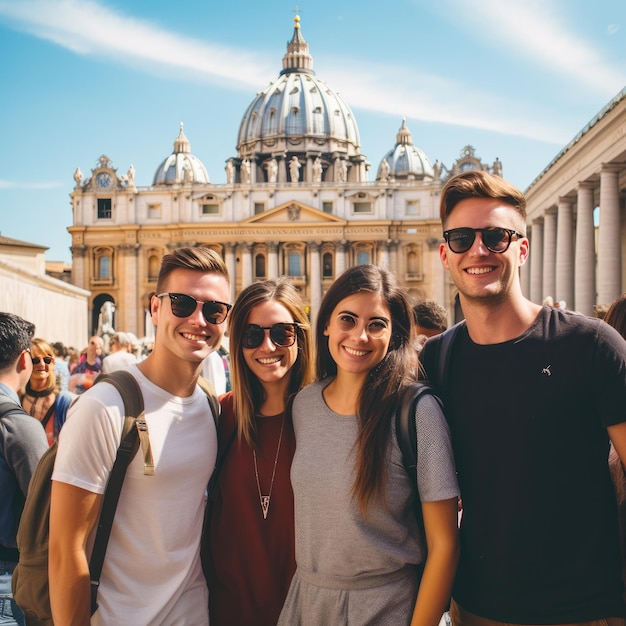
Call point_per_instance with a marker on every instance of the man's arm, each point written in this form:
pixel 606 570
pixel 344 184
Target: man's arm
pixel 73 516
pixel 617 435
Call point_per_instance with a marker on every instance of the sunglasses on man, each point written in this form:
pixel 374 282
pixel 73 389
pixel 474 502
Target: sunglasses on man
pixel 496 239
pixel 282 335
pixel 214 312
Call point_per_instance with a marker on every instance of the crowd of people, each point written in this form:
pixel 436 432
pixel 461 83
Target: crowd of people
pixel 296 507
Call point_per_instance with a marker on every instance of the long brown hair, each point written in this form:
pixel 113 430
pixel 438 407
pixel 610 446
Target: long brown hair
pixel 248 393
pixel 381 393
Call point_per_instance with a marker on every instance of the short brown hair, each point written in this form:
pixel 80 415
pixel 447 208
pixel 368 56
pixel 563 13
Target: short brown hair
pixel 198 258
pixel 479 184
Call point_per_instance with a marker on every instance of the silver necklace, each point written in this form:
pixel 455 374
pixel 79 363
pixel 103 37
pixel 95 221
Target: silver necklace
pixel 265 500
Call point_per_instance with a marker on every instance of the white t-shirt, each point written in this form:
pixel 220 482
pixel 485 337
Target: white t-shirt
pixel 119 360
pixel 152 573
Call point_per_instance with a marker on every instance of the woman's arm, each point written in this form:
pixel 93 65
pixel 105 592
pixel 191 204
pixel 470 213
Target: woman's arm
pixel 442 539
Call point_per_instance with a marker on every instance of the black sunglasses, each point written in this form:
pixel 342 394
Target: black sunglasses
pixel 37 359
pixel 282 335
pixel 496 239
pixel 183 306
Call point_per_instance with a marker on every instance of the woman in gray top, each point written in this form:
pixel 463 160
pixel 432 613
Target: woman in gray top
pixel 357 538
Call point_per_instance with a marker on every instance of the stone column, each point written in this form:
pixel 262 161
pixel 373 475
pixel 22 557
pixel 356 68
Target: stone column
pixel 383 255
pixel 536 262
pixel 127 319
pixel 549 253
pixel 78 266
pixel 316 280
pixel 231 264
pixel 565 253
pixel 585 257
pixel 245 255
pixel 393 255
pixel 609 236
pixel 272 259
pixel 340 257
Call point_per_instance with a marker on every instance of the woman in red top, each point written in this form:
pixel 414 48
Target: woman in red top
pixel 248 546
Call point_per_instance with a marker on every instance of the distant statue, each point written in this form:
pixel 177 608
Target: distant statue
pixel 497 167
pixel 130 175
pixel 230 172
pixel 245 171
pixel 383 172
pixel 437 170
pixel 317 170
pixel 187 172
pixel 105 322
pixel 342 170
pixel 78 176
pixel 294 169
pixel 272 170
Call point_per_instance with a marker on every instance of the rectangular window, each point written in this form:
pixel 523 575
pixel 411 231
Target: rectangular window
pixel 294 264
pixel 210 209
pixel 104 208
pixel 363 257
pixel 362 207
pixel 327 207
pixel 154 211
pixel 412 207
pixel 104 267
pixel 259 207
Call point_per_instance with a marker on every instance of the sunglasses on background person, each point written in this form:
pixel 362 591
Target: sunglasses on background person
pixel 214 312
pixel 46 359
pixel 282 335
pixel 496 239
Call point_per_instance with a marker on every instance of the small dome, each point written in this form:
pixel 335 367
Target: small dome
pixel 405 161
pixel 181 166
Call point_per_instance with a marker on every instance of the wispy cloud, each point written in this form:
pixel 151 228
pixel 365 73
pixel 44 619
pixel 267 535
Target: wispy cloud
pixel 8 184
pixel 88 27
pixel 539 31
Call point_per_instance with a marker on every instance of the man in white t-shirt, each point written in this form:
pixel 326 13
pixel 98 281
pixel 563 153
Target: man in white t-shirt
pixel 152 573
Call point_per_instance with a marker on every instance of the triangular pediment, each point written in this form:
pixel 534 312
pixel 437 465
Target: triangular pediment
pixel 294 213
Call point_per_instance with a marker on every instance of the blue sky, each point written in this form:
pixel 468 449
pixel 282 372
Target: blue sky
pixel 516 79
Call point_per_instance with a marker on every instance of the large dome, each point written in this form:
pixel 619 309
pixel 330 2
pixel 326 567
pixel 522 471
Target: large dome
pixel 299 115
pixel 405 161
pixel 181 166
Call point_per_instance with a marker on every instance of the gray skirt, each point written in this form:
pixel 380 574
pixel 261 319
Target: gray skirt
pixel 318 600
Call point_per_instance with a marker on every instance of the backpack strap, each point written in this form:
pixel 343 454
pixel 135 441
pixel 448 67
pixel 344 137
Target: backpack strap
pixel 443 350
pixel 129 389
pixel 207 386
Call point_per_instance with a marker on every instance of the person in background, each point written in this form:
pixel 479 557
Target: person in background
pixel 22 443
pixel 532 395
pixel 250 522
pixel 214 369
pixel 61 366
pixel 152 572
pixel 357 532
pixel 42 397
pixel 430 320
pixel 121 355
pixel 88 368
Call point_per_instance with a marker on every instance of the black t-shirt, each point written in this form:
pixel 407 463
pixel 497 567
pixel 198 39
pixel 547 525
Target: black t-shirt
pixel 539 535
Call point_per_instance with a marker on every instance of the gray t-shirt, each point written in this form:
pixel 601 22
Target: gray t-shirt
pixel 332 537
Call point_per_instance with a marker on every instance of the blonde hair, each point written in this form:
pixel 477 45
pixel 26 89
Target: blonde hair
pixel 41 345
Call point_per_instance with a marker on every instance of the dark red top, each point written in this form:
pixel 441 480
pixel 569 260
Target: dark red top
pixel 249 561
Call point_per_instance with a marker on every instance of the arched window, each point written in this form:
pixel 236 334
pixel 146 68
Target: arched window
pixel 154 264
pixel 411 263
pixel 327 265
pixel 259 266
pixel 103 265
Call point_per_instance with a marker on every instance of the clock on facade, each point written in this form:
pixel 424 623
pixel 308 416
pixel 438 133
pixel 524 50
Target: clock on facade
pixel 103 180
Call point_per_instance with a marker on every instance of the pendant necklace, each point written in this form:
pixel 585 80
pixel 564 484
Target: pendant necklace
pixel 265 500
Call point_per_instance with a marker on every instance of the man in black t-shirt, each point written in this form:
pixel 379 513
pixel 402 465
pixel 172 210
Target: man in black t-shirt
pixel 532 395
